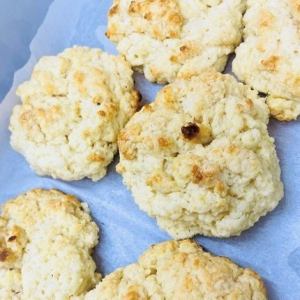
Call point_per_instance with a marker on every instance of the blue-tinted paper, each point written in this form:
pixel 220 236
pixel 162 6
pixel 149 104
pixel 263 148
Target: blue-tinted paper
pixel 271 247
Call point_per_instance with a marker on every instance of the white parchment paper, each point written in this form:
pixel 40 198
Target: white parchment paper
pixel 272 247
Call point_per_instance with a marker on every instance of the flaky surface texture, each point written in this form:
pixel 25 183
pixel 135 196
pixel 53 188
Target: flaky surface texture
pixel 72 110
pixel 269 58
pixel 200 159
pixel 165 37
pixel 178 270
pixel 46 240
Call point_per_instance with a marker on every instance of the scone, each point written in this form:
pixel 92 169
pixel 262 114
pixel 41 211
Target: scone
pixel 199 159
pixel 164 38
pixel 269 58
pixel 72 110
pixel 178 270
pixel 46 240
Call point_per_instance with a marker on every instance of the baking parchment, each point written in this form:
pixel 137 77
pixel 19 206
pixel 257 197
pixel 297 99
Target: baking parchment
pixel 271 247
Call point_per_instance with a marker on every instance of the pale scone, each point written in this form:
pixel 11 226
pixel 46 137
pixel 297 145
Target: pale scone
pixel 165 37
pixel 72 110
pixel 269 58
pixel 178 270
pixel 199 159
pixel 46 240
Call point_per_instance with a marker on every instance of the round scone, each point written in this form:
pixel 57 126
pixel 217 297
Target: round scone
pixel 269 57
pixel 46 240
pixel 72 110
pixel 199 159
pixel 164 38
pixel 177 270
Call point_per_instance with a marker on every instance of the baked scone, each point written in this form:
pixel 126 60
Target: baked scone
pixel 72 110
pixel 46 240
pixel 269 58
pixel 177 270
pixel 164 37
pixel 199 159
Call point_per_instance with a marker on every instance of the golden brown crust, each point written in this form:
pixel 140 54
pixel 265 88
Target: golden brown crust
pixel 195 158
pixel 43 232
pixel 177 270
pixel 165 37
pixel 268 59
pixel 72 110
